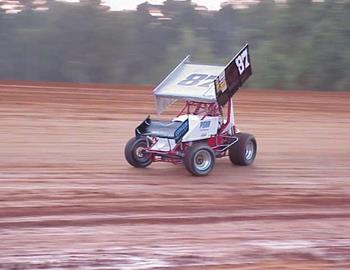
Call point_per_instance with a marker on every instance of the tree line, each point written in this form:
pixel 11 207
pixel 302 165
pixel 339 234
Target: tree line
pixel 299 45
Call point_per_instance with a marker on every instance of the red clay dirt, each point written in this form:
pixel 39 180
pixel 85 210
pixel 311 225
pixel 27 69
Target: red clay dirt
pixel 69 200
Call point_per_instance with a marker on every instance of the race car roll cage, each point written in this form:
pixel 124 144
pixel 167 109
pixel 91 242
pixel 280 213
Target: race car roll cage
pixel 219 143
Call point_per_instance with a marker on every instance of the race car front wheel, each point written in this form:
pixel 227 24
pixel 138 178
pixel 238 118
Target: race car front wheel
pixel 243 152
pixel 135 153
pixel 199 159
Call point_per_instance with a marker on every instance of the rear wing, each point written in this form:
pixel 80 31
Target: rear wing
pixel 233 76
pixel 204 83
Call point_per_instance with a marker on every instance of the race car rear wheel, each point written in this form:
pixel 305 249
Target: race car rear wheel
pixel 244 151
pixel 199 159
pixel 135 152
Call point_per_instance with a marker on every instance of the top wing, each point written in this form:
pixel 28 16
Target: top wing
pixel 204 83
pixel 188 81
pixel 233 76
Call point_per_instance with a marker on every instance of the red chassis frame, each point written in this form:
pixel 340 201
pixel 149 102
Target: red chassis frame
pixel 218 143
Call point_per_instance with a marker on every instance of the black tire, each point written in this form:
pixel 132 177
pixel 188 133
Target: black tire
pixel 134 154
pixel 199 159
pixel 244 151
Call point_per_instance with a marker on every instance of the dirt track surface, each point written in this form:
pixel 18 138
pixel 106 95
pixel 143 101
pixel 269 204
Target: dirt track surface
pixel 68 200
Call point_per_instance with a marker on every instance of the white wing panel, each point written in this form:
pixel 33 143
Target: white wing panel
pixel 189 82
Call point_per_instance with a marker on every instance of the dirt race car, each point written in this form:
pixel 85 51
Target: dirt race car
pixel 202 131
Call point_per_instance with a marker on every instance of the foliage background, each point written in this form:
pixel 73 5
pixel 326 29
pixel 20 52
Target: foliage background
pixel 301 45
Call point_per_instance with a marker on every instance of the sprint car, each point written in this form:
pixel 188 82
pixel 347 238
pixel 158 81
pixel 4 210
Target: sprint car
pixel 205 128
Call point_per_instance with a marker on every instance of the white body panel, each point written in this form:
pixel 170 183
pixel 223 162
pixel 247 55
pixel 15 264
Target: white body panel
pixel 164 144
pixel 199 129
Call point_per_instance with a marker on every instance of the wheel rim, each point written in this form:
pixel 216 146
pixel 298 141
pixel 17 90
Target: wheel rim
pixel 249 150
pixel 202 160
pixel 141 154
